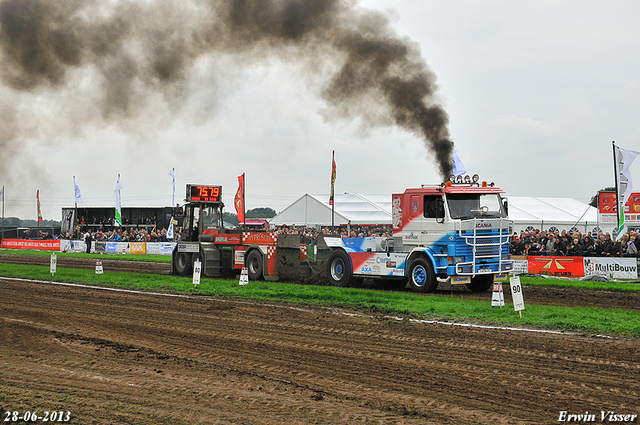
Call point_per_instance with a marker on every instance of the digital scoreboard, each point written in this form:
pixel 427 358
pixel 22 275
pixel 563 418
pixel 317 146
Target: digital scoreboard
pixel 200 193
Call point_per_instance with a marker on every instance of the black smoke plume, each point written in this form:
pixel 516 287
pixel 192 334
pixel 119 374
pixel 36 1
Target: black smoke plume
pixel 140 47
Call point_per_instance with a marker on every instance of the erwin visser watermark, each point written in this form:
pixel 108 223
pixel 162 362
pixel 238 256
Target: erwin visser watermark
pixel 602 416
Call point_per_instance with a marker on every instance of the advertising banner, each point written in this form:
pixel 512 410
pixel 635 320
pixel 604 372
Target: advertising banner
pixel 607 211
pixel 520 267
pixel 557 266
pixel 137 247
pixel 111 247
pixel 611 268
pixel 44 245
pixel 160 248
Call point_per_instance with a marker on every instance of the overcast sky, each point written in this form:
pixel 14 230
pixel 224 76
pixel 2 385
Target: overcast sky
pixel 535 93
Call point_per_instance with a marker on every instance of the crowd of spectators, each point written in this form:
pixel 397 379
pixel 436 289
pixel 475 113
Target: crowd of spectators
pixel 576 244
pixel 309 235
pixel 550 242
pixel 104 223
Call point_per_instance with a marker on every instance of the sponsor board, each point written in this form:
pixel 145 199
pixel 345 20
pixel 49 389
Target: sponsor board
pixel 44 245
pixel 261 238
pixel 238 256
pixel 611 268
pixel 138 247
pixel 228 239
pixel 520 266
pixel 557 266
pixel 188 247
pixel 160 248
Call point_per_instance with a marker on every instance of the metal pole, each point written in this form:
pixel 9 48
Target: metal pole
pixel 615 171
pixel 75 220
pixel 2 236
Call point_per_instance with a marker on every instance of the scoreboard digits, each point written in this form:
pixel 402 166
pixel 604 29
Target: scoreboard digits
pixel 202 193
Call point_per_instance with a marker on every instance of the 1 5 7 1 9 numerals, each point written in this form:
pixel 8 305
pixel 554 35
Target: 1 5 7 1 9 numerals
pixel 46 416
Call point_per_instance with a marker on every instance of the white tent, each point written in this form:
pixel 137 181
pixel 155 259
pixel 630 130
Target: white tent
pixel 355 208
pixel 350 208
pixel 544 213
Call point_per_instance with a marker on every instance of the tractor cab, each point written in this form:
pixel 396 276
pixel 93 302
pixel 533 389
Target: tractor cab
pixel 202 212
pixel 201 219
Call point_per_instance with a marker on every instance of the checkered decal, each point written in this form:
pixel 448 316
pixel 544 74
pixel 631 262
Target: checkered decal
pixel 272 261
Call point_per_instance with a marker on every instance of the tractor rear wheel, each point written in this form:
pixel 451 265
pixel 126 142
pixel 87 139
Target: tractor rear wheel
pixel 182 263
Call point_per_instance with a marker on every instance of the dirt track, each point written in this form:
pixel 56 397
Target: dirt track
pixel 116 357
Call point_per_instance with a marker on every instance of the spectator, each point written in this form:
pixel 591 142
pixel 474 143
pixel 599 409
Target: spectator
pixel 575 248
pixel 87 241
pixel 632 250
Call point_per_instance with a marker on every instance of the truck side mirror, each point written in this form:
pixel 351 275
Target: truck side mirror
pixel 440 210
pixel 506 207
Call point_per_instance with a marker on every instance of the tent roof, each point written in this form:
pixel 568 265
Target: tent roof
pixel 357 208
pixel 351 208
pixel 565 211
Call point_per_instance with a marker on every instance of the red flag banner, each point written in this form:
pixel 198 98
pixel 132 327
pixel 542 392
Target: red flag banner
pixel 239 199
pixel 38 200
pixel 333 176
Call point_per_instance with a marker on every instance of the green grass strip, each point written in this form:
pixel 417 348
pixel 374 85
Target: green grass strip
pixel 93 255
pixel 575 319
pixel 610 285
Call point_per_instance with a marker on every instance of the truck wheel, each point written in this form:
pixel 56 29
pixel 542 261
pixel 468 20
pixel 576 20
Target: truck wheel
pixel 339 271
pixel 480 283
pixel 421 276
pixel 254 265
pixel 182 263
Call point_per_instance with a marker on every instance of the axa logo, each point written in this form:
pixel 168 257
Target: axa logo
pixel 366 269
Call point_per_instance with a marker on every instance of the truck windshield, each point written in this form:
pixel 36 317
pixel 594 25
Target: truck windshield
pixel 475 205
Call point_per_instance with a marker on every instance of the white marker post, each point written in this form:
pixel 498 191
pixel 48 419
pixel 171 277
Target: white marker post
pixel 54 263
pixel 497 300
pixel 197 269
pixel 244 276
pixel 99 269
pixel 516 294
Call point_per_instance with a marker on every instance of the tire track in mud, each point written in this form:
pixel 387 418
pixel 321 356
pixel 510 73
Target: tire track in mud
pixel 314 363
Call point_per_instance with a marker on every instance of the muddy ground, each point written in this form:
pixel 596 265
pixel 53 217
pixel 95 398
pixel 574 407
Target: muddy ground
pixel 115 357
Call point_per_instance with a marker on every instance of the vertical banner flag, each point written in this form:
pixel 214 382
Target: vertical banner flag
pixel 2 195
pixel 239 199
pixel 170 234
pixel 333 176
pixel 623 159
pixel 118 203
pixel 458 166
pixel 38 201
pixel 172 173
pixel 76 191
